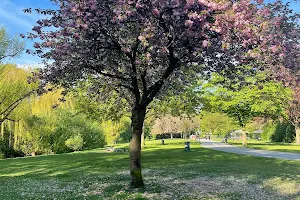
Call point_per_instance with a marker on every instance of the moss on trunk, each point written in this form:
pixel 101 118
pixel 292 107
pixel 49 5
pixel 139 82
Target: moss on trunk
pixel 137 120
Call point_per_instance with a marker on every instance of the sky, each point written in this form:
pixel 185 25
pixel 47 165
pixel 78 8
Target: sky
pixel 17 22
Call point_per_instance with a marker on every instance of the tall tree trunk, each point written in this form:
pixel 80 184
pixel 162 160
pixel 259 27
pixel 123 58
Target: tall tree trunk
pixel 171 135
pixel 137 120
pixel 297 128
pixel 244 136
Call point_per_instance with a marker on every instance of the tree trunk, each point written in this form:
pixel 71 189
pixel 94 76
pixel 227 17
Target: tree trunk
pixel 171 135
pixel 297 134
pixel 137 121
pixel 244 136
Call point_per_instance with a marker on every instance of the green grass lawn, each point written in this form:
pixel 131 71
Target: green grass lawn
pixel 265 145
pixel 169 173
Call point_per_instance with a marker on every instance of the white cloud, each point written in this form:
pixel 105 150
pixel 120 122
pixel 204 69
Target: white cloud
pixel 13 18
pixel 13 14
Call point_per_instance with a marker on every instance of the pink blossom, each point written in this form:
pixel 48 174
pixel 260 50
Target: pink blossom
pixel 93 7
pixel 203 2
pixel 155 12
pixel 128 12
pixel 139 5
pixel 205 43
pixel 141 38
pixel 36 45
pixel 188 23
pixel 48 44
pixel 273 48
pixel 73 9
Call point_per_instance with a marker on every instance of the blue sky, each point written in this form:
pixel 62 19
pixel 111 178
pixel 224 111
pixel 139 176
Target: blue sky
pixel 17 22
pixel 13 18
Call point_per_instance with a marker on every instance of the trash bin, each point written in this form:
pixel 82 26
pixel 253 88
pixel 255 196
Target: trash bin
pixel 187 146
pixel 162 142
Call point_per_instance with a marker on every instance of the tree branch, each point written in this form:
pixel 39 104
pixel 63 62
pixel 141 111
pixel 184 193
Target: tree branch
pixel 173 64
pixel 9 55
pixel 134 82
pixel 13 105
pixel 107 74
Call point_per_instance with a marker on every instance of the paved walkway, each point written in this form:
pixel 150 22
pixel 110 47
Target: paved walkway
pixel 248 151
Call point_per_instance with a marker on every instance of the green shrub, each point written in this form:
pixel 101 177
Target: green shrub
pixel 75 142
pixel 284 132
pixel 279 132
pixel 268 131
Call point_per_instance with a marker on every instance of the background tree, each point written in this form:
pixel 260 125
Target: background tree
pixel 140 48
pixel 14 89
pixel 216 123
pixel 167 124
pixel 250 99
pixel 10 47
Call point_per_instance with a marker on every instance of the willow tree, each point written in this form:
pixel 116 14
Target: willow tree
pixel 10 47
pixel 14 89
pixel 141 48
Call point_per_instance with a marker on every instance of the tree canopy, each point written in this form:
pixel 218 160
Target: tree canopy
pixel 253 98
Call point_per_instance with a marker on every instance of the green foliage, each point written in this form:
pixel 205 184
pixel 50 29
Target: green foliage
pixel 10 47
pixel 243 101
pixel 216 123
pixel 36 134
pixel 276 131
pixel 12 91
pixel 49 133
pixel 113 130
pixel 69 124
pixel 125 134
pixel 75 142
pixel 104 109
pixel 284 132
pixel 268 131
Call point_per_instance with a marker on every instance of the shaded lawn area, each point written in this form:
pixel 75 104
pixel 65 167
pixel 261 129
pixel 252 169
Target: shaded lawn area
pixel 265 145
pixel 169 173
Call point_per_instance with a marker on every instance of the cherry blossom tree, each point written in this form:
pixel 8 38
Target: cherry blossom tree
pixel 288 67
pixel 141 48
